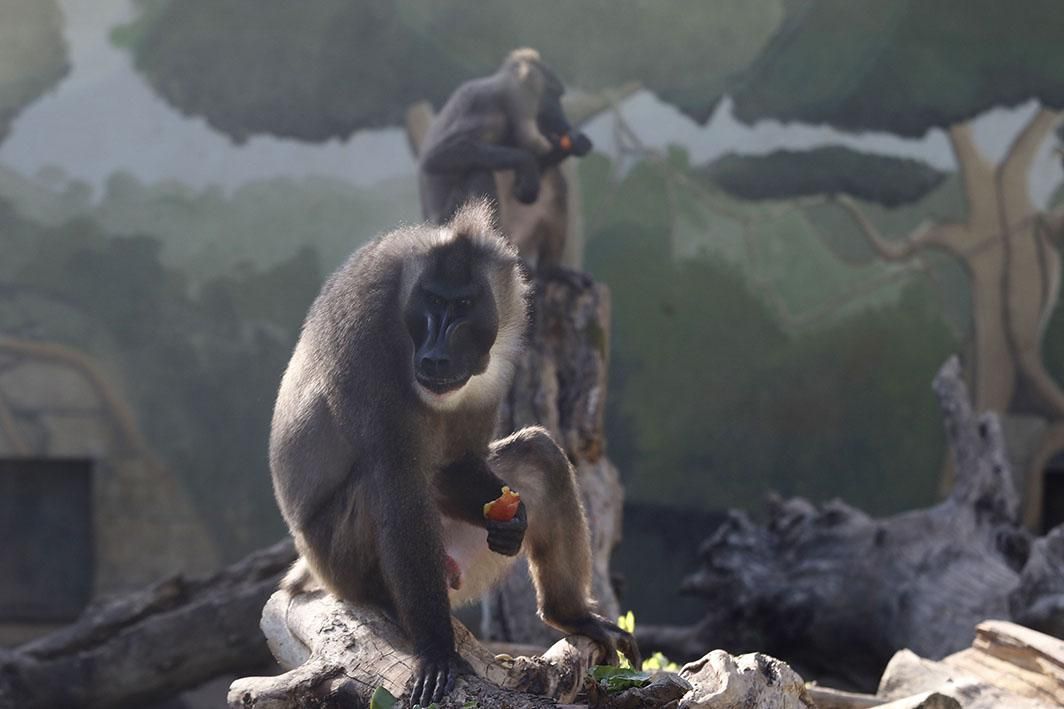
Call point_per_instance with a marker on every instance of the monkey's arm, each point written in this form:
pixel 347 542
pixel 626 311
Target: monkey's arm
pixel 580 146
pixel 462 152
pixel 411 558
pixel 461 490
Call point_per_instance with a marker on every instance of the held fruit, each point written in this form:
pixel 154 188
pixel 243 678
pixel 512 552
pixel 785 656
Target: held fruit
pixel 566 143
pixel 503 508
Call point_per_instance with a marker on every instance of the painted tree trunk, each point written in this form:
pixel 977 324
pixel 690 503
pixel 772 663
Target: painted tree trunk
pixel 1015 280
pixel 1005 245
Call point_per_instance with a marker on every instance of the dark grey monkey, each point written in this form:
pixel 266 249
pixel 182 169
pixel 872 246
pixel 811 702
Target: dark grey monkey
pixel 381 449
pixel 509 121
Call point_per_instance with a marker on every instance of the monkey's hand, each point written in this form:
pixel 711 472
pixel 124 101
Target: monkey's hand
pixel 608 636
pixel 505 537
pixel 526 182
pixel 434 677
pixel 581 145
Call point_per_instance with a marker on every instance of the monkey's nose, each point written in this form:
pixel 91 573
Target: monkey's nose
pixel 435 366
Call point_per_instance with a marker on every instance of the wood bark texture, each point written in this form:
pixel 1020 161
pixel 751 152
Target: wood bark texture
pixel 837 593
pixel 1007 665
pixel 561 385
pixel 337 655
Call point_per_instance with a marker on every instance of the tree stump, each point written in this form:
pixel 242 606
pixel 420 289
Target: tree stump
pixel 837 593
pixel 561 385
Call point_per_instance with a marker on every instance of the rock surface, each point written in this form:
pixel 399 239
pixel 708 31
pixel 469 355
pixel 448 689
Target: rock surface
pixel 721 681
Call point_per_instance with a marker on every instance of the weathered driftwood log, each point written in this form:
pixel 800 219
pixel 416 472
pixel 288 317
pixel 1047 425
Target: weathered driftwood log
pixel 1007 665
pixel 837 592
pixel 337 654
pixel 148 645
pixel 561 384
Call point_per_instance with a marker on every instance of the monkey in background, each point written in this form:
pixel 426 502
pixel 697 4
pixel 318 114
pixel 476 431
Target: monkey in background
pixel 495 138
pixel 381 452
pixel 540 230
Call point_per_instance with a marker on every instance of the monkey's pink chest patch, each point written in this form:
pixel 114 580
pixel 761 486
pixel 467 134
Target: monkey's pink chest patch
pixel 453 571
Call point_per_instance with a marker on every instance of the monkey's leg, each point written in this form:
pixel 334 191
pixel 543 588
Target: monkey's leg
pixel 557 540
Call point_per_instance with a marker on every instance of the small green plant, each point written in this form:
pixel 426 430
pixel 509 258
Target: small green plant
pixel 612 680
pixel 655 662
pixel 382 699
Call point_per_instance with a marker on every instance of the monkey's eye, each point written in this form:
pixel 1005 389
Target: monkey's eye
pixel 464 304
pixel 436 301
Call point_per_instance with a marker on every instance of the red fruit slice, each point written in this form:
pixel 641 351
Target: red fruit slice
pixel 504 507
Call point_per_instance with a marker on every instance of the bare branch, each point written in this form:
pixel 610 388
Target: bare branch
pixel 927 235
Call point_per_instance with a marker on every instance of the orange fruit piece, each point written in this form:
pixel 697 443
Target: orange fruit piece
pixel 504 507
pixel 566 143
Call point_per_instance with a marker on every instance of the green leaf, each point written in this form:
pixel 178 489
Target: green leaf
pixel 382 699
pixel 617 679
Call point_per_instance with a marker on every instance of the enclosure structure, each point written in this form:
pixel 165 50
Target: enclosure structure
pixel 86 508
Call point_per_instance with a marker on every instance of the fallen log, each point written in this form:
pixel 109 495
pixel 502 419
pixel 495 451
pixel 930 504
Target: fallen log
pixel 148 645
pixel 837 593
pixel 337 654
pixel 1007 666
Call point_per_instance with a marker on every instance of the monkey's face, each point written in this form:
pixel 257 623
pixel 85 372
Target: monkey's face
pixel 452 320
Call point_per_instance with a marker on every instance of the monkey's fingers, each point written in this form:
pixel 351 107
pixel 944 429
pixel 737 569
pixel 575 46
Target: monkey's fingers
pixel 505 547
pixel 505 540
pixel 625 642
pixel 434 680
pixel 418 689
pixel 581 145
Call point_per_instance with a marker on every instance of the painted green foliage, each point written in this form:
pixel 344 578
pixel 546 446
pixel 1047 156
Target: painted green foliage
pixel 180 355
pixel 714 400
pixel 32 54
pixel 325 69
pixel 906 65
pixel 785 174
